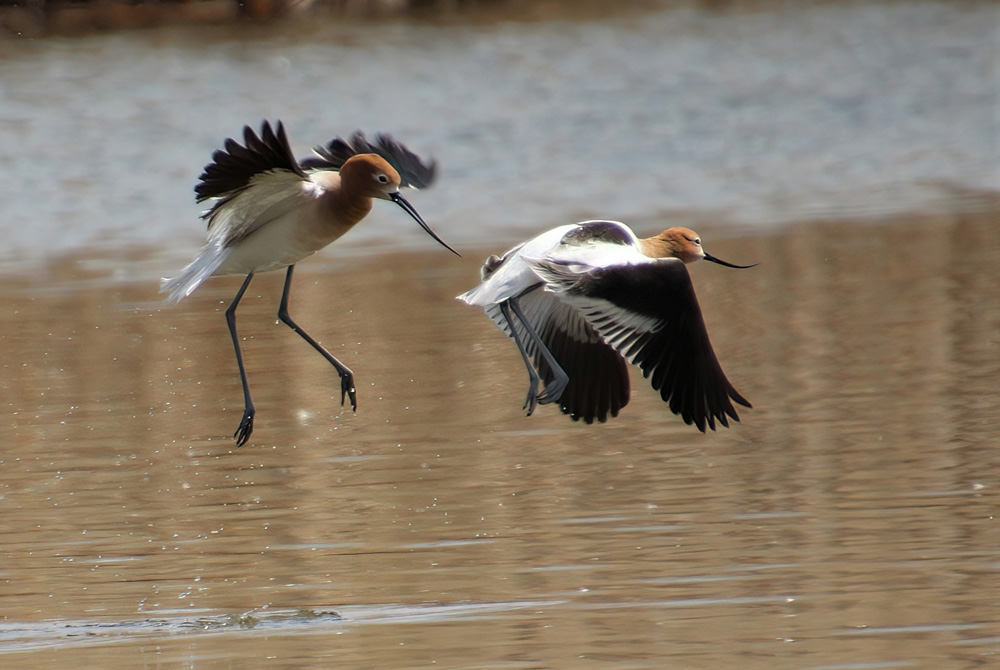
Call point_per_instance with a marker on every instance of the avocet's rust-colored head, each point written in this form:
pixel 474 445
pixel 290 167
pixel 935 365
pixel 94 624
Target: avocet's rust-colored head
pixel 371 176
pixel 677 242
pixel 681 243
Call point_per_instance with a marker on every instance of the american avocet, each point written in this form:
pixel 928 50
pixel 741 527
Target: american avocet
pixel 271 211
pixel 590 296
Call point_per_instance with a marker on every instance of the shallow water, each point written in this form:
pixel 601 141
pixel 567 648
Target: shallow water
pixel 849 521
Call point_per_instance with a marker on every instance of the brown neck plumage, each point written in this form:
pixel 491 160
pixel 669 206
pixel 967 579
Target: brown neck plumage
pixel 658 247
pixel 342 206
pixel 346 209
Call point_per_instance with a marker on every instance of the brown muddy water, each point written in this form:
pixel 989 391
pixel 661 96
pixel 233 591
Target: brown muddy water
pixel 849 521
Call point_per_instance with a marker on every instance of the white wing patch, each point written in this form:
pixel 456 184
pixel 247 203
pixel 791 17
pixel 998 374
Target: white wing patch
pixel 619 328
pixel 268 196
pixel 545 312
pixel 622 329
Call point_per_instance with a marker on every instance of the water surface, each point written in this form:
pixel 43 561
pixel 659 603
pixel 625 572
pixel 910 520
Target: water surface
pixel 849 521
pixel 748 115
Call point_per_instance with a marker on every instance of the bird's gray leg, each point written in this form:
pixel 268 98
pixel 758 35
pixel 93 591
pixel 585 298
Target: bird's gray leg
pixel 532 399
pixel 554 390
pixel 346 376
pixel 242 433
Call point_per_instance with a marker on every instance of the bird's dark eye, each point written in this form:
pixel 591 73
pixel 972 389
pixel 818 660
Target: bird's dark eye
pixel 697 240
pixel 382 179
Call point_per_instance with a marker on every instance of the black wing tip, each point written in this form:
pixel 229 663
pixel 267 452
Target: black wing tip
pixel 717 406
pixel 739 399
pixel 432 171
pixel 413 170
pixel 235 164
pixel 589 417
pixel 704 419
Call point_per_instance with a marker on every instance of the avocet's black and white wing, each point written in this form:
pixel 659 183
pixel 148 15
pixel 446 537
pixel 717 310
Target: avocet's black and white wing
pixel 598 385
pixel 252 183
pixel 413 170
pixel 648 312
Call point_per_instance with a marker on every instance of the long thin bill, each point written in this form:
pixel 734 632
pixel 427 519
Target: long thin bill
pixel 709 257
pixel 401 201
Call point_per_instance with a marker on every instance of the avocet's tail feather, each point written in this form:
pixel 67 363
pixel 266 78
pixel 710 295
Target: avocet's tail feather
pixel 191 277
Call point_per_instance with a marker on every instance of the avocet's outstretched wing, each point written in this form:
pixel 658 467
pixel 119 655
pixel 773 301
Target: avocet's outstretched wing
pixel 598 383
pixel 648 312
pixel 253 183
pixel 412 169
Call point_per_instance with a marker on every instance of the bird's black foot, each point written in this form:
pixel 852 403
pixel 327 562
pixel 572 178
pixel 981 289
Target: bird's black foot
pixel 242 433
pixel 348 391
pixel 531 400
pixel 553 390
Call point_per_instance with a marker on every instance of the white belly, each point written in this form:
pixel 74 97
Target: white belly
pixel 275 245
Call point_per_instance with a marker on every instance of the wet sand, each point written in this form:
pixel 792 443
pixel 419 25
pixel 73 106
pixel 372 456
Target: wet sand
pixel 848 521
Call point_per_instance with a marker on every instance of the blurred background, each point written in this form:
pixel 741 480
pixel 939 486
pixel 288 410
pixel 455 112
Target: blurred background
pixel 851 148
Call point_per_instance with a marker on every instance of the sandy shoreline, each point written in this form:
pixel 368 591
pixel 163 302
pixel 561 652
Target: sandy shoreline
pixel 79 18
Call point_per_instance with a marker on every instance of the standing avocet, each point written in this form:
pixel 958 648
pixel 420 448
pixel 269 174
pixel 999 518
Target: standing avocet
pixel 271 211
pixel 590 296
